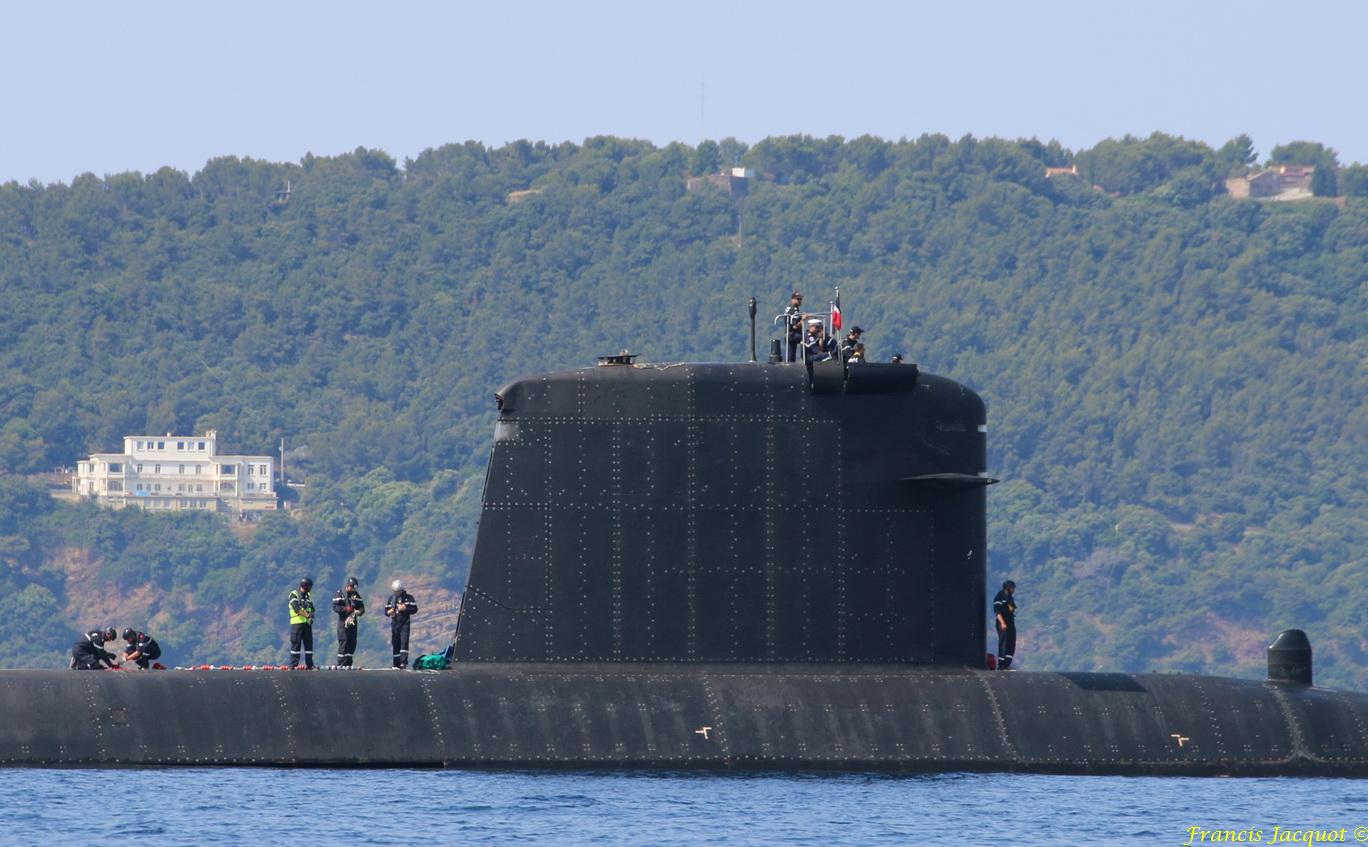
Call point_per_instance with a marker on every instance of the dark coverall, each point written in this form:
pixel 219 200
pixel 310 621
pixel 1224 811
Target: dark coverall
pixel 345 604
pixel 89 654
pixel 399 608
pixel 146 647
pixel 1005 605
pixel 795 331
pixel 301 627
pixel 818 348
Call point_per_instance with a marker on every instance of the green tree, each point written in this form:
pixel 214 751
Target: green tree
pixel 1236 156
pixel 1301 153
pixel 1323 180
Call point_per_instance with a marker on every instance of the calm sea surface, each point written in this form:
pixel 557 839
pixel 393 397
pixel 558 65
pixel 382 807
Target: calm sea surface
pixel 305 808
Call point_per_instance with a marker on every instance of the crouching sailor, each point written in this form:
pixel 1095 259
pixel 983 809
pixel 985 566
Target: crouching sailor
pixel 142 648
pixel 399 608
pixel 301 623
pixel 349 608
pixel 89 654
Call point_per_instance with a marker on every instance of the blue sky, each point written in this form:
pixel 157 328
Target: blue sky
pixel 105 87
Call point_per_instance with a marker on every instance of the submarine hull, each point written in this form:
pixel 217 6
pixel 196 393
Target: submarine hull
pixel 650 715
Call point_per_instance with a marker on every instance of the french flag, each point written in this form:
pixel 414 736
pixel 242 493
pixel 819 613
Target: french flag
pixel 836 315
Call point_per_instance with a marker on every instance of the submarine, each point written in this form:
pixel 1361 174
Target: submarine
pixel 735 566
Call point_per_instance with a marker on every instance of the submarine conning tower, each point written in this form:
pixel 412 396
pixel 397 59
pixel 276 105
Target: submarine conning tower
pixel 731 513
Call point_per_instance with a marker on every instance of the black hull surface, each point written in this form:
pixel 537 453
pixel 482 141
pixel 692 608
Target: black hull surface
pixel 733 717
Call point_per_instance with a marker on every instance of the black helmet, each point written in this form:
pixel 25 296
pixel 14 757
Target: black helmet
pixel 351 582
pixel 96 636
pixel 129 634
pixel 110 633
pixel 306 583
pixel 1009 584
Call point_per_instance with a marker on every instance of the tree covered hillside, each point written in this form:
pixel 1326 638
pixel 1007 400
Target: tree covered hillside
pixel 1175 379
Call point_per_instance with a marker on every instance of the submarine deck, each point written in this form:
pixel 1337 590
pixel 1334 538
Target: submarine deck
pixel 686 716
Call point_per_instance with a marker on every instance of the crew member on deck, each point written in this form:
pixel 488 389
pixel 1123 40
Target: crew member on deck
pixel 301 623
pixel 794 313
pixel 816 346
pixel 399 608
pixel 856 354
pixel 852 339
pixel 1004 614
pixel 142 648
pixel 89 654
pixel 349 608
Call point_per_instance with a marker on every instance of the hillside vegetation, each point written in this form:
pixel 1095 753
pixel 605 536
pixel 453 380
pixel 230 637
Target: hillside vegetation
pixel 1175 379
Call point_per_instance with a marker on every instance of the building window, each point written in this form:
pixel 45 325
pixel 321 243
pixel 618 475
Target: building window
pixel 161 445
pixel 228 470
pixel 139 468
pixel 201 445
pixel 115 485
pixel 182 469
pixel 250 468
pixel 115 467
pixel 140 486
pixel 157 487
pixel 139 445
pixel 227 486
pixel 199 469
pixel 156 469
pixel 199 486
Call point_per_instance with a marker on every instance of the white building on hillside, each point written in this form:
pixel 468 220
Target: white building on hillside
pixel 176 473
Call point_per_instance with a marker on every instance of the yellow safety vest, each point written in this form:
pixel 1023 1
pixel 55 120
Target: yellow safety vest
pixel 306 607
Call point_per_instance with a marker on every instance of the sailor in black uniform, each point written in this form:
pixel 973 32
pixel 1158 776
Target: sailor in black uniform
pixel 1004 614
pixel 794 313
pixel 852 340
pixel 349 608
pixel 89 654
pixel 817 347
pixel 399 608
pixel 142 648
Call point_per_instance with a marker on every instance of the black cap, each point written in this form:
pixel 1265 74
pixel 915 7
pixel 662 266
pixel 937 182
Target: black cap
pixel 855 330
pixel 897 359
pixel 797 294
pixel 1009 584
pixel 129 634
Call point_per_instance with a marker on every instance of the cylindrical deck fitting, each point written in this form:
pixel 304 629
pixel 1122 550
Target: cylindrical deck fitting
pixel 1289 658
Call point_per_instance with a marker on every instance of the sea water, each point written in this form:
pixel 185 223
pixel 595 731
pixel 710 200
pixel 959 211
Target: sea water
pixel 363 807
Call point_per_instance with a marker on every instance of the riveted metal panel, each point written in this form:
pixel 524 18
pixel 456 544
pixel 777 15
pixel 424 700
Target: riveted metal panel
pixel 655 579
pixel 890 586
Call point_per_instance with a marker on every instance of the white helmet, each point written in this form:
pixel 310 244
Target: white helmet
pixel 397 585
